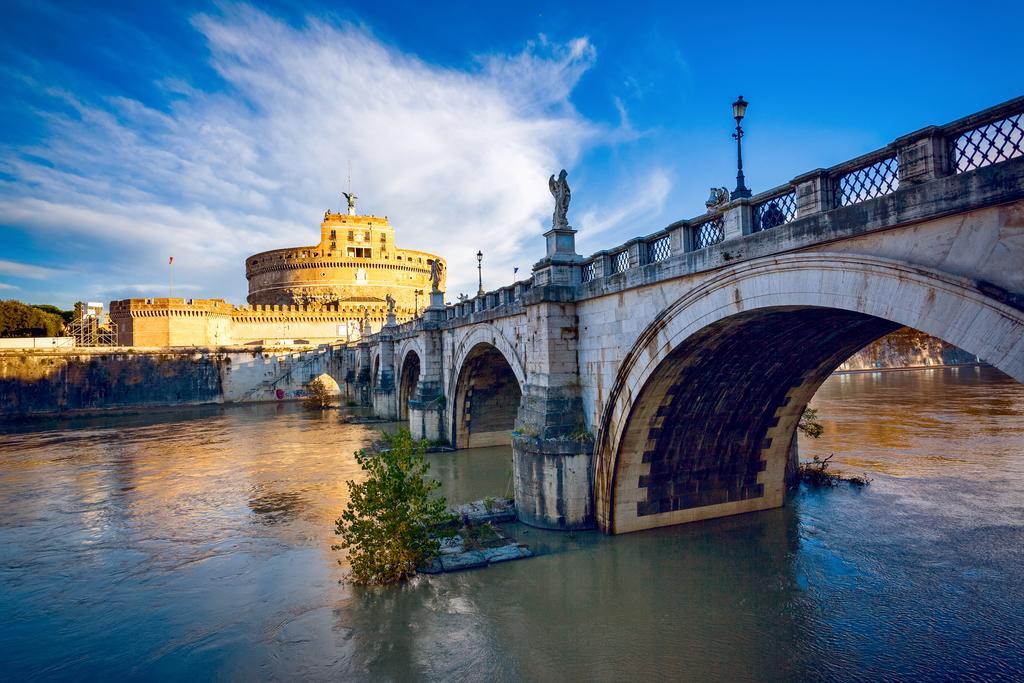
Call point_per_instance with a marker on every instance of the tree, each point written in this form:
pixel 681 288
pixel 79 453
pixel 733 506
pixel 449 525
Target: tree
pixel 21 320
pixel 317 396
pixel 386 527
pixel 66 316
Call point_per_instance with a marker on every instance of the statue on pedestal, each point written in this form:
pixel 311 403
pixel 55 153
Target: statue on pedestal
pixel 560 191
pixel 391 303
pixel 436 275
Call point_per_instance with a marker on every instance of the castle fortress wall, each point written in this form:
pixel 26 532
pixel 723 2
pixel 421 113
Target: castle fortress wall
pixel 214 322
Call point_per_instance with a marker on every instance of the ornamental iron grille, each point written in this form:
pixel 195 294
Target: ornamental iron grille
pixel 775 212
pixel 589 271
pixel 659 250
pixel 711 231
pixel 620 262
pixel 875 180
pixel 989 144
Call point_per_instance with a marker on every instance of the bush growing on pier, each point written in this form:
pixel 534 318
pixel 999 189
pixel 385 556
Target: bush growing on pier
pixel 809 424
pixel 387 525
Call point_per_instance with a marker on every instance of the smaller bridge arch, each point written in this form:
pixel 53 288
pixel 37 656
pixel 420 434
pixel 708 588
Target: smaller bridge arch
pixel 485 389
pixel 408 377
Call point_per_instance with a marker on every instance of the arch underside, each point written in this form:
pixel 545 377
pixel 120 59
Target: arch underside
pixel 408 379
pixel 487 399
pixel 713 425
pixel 703 412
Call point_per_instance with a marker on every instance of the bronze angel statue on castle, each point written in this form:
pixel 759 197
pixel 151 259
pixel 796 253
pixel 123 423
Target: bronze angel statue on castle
pixel 560 191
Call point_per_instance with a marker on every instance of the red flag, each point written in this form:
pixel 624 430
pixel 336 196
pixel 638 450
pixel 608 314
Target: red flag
pixel 171 261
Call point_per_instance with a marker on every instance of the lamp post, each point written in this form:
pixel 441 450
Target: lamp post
pixel 739 108
pixel 417 293
pixel 480 272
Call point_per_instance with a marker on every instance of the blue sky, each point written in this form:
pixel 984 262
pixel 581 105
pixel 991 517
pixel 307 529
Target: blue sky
pixel 208 131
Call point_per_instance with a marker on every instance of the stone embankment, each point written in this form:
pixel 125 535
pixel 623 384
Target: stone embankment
pixel 95 379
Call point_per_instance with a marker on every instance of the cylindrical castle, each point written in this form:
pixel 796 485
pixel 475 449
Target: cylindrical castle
pixel 356 262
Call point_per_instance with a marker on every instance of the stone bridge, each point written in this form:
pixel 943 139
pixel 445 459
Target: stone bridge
pixel 661 381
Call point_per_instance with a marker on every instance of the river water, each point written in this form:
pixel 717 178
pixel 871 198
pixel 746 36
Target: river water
pixel 195 544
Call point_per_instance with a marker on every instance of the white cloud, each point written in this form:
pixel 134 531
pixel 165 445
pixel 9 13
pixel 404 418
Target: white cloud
pixel 458 159
pixel 4 285
pixel 637 203
pixel 26 270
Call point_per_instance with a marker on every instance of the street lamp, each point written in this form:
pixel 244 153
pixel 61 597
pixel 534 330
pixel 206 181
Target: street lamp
pixel 417 293
pixel 739 108
pixel 480 272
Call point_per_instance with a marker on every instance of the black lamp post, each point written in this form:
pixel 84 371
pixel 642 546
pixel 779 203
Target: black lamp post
pixel 416 293
pixel 480 272
pixel 739 108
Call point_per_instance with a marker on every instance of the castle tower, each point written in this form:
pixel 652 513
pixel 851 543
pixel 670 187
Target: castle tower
pixel 356 263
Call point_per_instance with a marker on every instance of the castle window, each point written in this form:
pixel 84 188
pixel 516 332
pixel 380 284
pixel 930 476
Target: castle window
pixel 351 235
pixel 334 234
pixel 367 235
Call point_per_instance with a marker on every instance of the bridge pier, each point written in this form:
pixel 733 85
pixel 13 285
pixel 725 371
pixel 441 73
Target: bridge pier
pixel 427 404
pixel 552 450
pixel 364 382
pixel 385 391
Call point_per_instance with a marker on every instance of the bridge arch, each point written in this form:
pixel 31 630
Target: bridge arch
pixel 704 407
pixel 408 378
pixel 484 389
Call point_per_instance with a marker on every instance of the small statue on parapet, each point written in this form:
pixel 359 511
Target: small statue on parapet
pixel 436 275
pixel 391 303
pixel 719 196
pixel 560 191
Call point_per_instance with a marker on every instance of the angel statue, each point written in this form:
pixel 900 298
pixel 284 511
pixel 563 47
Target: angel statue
pixel 351 199
pixel 436 274
pixel 560 191
pixel 391 303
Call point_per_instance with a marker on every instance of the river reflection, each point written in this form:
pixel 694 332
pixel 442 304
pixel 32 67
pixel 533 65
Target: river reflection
pixel 196 543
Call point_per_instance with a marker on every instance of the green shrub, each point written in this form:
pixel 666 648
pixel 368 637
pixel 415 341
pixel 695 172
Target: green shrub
pixel 809 424
pixel 387 525
pixel 317 395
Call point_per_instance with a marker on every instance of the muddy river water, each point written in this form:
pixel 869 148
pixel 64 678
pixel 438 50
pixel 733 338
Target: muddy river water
pixel 196 544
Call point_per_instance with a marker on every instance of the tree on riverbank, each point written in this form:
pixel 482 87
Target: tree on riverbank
pixel 386 527
pixel 21 320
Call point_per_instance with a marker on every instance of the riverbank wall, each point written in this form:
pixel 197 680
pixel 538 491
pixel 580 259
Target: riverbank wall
pixel 907 348
pixel 96 379
pixel 57 380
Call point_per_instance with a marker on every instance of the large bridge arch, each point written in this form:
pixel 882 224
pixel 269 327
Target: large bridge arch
pixel 484 389
pixel 700 418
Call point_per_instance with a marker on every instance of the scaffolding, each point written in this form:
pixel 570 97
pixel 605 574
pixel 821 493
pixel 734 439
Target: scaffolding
pixel 90 327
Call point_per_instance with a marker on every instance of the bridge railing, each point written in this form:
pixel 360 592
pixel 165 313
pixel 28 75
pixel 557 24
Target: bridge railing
pixel 503 296
pixel 970 143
